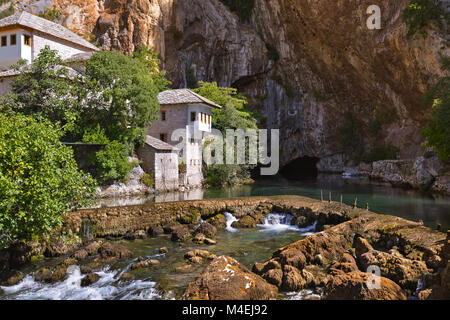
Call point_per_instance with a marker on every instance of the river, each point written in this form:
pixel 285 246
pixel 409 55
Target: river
pixel 381 197
pixel 247 246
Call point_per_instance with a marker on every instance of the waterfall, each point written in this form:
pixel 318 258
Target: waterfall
pixel 107 288
pixel 230 220
pixel 278 222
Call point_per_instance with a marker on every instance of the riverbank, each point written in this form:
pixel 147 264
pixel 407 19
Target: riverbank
pixel 422 250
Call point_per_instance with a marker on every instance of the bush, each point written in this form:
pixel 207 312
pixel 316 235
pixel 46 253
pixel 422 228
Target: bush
pixel 148 180
pixel 420 13
pixel 39 178
pixel 437 101
pixel 113 163
pixel 381 152
pixel 51 14
pixel 227 174
pixel 350 137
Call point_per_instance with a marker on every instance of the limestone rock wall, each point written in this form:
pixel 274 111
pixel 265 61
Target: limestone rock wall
pixel 328 62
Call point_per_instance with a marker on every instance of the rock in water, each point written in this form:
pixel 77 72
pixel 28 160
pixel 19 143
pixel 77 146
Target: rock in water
pixel 114 251
pixel 354 286
pixel 244 222
pixel 207 229
pixel 179 233
pixel 89 279
pixel 227 279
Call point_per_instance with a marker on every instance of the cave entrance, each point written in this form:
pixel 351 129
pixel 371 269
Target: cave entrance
pixel 301 168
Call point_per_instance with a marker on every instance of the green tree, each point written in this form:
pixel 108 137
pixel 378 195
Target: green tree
pixel 39 178
pixel 437 101
pixel 151 60
pixel 112 163
pixel 121 94
pixel 234 114
pixel 44 89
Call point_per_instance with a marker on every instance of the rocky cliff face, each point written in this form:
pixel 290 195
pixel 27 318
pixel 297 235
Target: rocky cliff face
pixel 302 63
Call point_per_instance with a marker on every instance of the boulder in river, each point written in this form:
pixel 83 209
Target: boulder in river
pixel 244 222
pixel 403 271
pixel 227 279
pixel 207 229
pixel 114 251
pixel 354 286
pixel 179 233
pixel 10 278
pixel 89 279
pixel 149 263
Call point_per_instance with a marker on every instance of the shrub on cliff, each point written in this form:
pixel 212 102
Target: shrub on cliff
pixel 39 178
pixel 234 114
pixel 437 102
pixel 420 13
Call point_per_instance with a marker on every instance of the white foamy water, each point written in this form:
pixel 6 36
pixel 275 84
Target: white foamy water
pixel 305 294
pixel 278 222
pixel 230 220
pixel 107 288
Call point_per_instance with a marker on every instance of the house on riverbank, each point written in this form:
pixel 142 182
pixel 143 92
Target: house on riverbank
pixel 173 163
pixel 24 35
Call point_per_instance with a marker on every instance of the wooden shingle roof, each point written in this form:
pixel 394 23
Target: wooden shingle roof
pixel 28 20
pixel 183 96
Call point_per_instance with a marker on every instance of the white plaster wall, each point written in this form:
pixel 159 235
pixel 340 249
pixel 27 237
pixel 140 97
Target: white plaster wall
pixel 166 171
pixel 10 54
pixel 199 109
pixel 66 49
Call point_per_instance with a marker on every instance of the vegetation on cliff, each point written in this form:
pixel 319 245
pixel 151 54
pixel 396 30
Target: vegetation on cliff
pixel 420 13
pixel 233 115
pixel 437 102
pixel 39 179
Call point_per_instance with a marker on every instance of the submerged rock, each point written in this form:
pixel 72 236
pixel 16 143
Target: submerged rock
pixel 89 279
pixel 244 222
pixel 227 279
pixel 114 251
pixel 206 229
pixel 10 278
pixel 179 233
pixel 163 250
pixel 126 277
pixel 184 269
pixel 149 263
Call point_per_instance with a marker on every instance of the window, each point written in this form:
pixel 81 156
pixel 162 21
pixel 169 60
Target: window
pixel 27 40
pixel 193 116
pixel 13 39
pixel 163 115
pixel 209 119
pixel 4 41
pixel 202 118
pixel 192 140
pixel 163 137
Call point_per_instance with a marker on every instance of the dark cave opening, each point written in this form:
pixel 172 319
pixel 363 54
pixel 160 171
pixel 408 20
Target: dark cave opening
pixel 301 168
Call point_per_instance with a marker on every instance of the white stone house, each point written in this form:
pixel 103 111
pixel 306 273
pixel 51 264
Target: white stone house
pixel 184 109
pixel 23 36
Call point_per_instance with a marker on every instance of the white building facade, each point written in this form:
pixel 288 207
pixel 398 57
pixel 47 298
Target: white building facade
pixel 190 112
pixel 23 36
